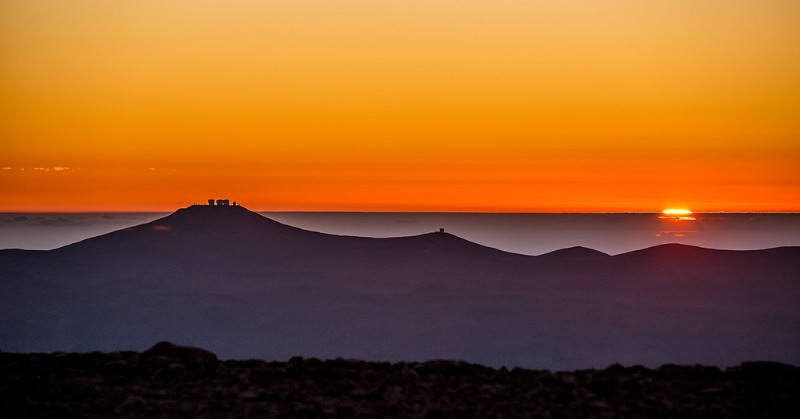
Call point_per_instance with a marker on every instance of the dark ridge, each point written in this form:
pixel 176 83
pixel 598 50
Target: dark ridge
pixel 666 253
pixel 453 244
pixel 670 249
pixel 21 252
pixel 576 253
pixel 240 227
pixel 176 381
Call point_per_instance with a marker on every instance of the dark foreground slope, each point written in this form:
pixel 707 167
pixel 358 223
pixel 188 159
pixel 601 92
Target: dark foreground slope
pixel 171 381
pixel 245 286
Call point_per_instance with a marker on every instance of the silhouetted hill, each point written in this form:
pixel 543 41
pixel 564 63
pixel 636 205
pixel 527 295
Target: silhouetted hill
pixel 577 253
pixel 207 243
pixel 208 224
pixel 245 286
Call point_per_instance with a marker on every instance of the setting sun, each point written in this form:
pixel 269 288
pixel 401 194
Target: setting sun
pixel 677 214
pixel 676 211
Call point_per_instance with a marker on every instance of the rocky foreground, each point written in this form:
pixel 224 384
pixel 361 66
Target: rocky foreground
pixel 174 381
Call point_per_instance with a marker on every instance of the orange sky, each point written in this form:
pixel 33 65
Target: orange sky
pixel 400 106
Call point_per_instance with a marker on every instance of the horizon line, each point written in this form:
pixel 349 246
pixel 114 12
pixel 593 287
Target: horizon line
pixel 300 211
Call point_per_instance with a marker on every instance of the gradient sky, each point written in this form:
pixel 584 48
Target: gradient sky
pixel 411 105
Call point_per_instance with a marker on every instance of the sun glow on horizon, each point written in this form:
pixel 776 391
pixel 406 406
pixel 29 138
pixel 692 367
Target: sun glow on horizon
pixel 677 214
pixel 676 211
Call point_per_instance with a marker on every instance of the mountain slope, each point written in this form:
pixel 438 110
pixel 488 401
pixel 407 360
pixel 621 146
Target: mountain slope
pixel 207 243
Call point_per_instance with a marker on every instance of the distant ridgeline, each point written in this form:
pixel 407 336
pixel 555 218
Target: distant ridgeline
pixel 224 278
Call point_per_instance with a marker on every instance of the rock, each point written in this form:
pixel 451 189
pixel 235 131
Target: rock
pixel 175 361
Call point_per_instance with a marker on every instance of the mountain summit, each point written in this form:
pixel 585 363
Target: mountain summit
pixel 202 222
pixel 233 219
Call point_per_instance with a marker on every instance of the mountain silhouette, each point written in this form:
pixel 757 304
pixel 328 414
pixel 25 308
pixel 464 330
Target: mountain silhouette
pixel 244 286
pixel 575 253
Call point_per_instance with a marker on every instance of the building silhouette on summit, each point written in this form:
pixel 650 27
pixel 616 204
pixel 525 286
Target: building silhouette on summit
pixel 221 203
